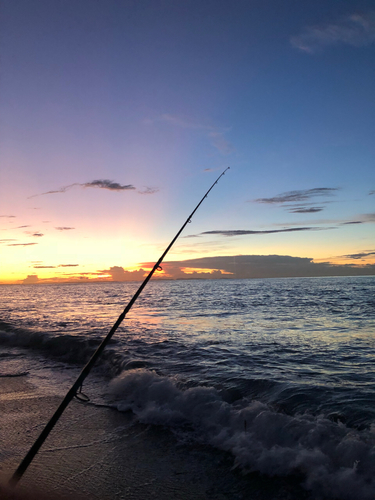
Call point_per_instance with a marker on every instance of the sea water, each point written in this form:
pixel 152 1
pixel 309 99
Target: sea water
pixel 277 373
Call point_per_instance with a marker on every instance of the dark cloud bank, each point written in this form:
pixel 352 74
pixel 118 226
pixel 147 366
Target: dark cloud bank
pixel 225 267
pixel 244 267
pixel 271 266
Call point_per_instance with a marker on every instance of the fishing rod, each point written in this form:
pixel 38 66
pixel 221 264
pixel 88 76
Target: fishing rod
pixel 75 390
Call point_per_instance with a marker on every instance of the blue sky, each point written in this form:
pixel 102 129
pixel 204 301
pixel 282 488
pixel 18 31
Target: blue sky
pixel 116 117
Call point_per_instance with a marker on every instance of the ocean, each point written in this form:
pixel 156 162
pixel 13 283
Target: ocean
pixel 276 374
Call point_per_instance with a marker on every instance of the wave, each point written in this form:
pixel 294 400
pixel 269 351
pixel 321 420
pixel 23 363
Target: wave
pixel 73 349
pixel 336 461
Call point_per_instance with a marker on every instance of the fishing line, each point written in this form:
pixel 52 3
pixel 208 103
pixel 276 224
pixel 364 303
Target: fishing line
pixel 75 390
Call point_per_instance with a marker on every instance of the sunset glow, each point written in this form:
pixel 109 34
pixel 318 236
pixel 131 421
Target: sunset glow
pixel 116 120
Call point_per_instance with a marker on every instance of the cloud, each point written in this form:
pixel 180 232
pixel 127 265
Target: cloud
pixel 107 184
pixel 359 255
pixel 7 239
pixel 44 267
pixel 305 210
pixel 21 244
pixel 61 190
pixel 8 216
pixel 365 218
pixel 36 233
pixel 68 265
pixel 356 219
pixel 372 192
pixel 220 143
pixel 99 183
pixel 291 200
pixel 246 232
pixel 214 134
pixel 64 228
pixel 183 122
pixel 216 169
pixel 149 190
pixel 300 195
pixel 31 279
pixel 21 227
pixel 264 266
pixel 223 267
pixel 118 273
pixel 357 30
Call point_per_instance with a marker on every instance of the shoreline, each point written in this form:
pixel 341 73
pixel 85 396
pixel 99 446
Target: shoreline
pixel 99 453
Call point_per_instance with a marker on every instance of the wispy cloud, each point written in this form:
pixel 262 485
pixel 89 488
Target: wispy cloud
pixel 54 191
pixel 351 222
pixel 365 218
pixel 21 244
pixel 183 122
pixel 149 190
pixel 214 134
pixel 372 192
pixel 356 219
pixel 36 233
pixel 291 200
pixel 361 255
pixel 221 143
pixel 357 30
pixel 64 228
pixel 298 195
pixel 5 240
pixel 246 232
pixel 7 216
pixel 40 266
pixel 99 183
pixel 305 210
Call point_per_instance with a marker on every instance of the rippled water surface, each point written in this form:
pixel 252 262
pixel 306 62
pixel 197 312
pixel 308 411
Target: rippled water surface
pixel 303 348
pixel 290 341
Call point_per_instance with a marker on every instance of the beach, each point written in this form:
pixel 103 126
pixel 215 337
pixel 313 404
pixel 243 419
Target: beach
pixel 99 453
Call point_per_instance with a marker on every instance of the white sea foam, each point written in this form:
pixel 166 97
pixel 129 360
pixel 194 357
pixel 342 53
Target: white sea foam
pixel 335 460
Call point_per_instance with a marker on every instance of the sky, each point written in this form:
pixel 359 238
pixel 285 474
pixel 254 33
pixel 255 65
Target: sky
pixel 117 117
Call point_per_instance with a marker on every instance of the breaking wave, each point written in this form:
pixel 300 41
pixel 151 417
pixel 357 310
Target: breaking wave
pixel 335 460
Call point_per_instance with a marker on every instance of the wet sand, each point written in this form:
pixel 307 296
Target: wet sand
pixel 99 453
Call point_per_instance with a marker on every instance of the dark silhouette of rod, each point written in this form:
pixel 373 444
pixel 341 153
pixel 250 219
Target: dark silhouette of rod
pixel 86 370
